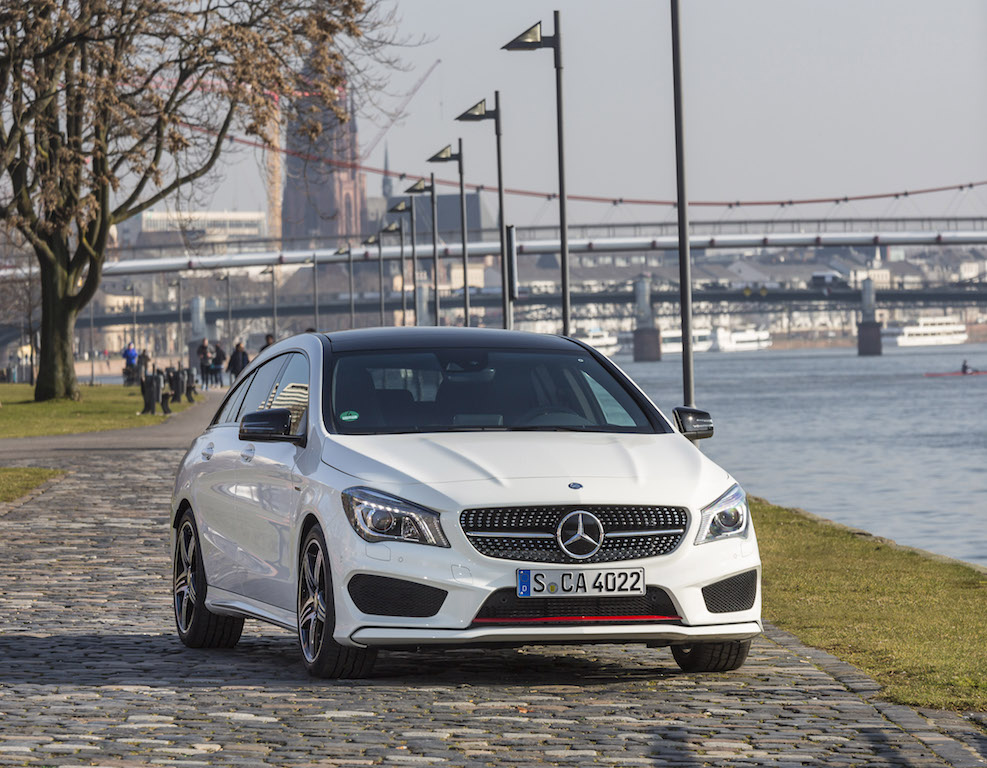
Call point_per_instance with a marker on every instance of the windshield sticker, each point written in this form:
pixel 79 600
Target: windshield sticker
pixel 349 416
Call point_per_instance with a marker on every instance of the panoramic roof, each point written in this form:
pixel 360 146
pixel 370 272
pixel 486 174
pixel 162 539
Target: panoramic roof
pixel 420 337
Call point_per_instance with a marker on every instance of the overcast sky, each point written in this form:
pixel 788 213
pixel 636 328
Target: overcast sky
pixel 784 99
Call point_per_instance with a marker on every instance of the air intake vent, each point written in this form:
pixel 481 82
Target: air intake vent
pixel 730 595
pixel 383 596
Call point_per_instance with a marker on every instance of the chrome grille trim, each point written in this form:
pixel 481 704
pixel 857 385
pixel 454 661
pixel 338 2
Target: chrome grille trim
pixel 528 534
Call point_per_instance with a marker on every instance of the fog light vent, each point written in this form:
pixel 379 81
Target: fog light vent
pixel 384 596
pixel 730 595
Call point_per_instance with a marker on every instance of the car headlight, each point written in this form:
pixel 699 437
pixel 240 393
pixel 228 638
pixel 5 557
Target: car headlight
pixel 376 516
pixel 726 517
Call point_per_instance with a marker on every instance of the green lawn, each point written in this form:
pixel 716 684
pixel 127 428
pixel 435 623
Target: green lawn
pixel 915 624
pixel 111 406
pixel 19 481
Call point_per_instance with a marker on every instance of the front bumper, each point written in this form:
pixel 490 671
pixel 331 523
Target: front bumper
pixel 662 634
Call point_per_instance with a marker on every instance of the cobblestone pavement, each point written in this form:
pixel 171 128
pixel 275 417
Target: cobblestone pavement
pixel 92 673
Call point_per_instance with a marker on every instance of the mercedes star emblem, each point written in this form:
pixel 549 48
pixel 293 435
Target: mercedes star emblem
pixel 580 534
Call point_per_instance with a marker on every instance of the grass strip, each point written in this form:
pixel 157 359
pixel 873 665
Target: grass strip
pixel 19 481
pixel 915 623
pixel 112 406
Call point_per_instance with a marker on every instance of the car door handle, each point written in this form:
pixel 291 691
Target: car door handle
pixel 207 452
pixel 247 453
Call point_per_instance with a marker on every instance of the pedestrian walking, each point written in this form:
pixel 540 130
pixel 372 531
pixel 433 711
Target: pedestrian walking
pixel 268 341
pixel 204 354
pixel 218 358
pixel 238 361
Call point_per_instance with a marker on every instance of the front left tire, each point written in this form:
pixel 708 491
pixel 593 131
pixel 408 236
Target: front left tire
pixel 323 656
pixel 198 627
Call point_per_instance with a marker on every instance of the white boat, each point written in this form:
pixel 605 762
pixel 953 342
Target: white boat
pixel 740 340
pixel 604 342
pixel 671 340
pixel 926 332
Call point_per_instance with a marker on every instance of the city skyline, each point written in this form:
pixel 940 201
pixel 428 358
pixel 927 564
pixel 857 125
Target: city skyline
pixel 782 101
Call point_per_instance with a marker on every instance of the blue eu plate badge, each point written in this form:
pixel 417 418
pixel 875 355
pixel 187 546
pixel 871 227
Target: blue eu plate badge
pixel 523 583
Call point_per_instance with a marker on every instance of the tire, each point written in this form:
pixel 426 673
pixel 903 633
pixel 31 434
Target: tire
pixel 198 627
pixel 711 657
pixel 323 656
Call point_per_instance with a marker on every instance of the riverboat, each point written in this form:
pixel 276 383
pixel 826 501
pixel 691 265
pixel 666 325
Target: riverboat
pixel 926 332
pixel 671 340
pixel 740 340
pixel 604 342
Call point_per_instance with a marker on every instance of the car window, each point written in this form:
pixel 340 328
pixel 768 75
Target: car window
pixel 292 391
pixel 473 389
pixel 231 408
pixel 258 394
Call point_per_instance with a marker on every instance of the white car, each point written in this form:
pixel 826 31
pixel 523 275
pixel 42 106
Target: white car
pixel 414 487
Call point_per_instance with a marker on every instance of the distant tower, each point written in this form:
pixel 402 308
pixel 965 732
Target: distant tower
pixel 387 185
pixel 325 191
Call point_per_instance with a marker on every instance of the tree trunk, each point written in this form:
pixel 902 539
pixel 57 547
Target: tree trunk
pixel 56 367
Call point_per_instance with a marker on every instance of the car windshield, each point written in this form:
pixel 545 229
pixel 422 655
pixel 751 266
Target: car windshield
pixel 446 390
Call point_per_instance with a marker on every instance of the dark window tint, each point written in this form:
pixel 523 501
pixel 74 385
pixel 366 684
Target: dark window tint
pixel 259 392
pixel 231 408
pixel 473 389
pixel 292 391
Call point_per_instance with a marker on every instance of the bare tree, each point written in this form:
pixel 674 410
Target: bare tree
pixel 110 106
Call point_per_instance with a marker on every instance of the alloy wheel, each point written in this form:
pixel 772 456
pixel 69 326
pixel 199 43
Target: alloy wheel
pixel 186 564
pixel 312 601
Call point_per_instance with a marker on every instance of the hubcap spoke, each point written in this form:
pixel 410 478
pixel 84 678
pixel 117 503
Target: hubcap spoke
pixel 312 601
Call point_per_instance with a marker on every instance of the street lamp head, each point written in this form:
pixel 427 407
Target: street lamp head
pixel 444 155
pixel 392 227
pixel 418 187
pixel 372 240
pixel 527 41
pixel 401 207
pixel 477 112
pixel 343 249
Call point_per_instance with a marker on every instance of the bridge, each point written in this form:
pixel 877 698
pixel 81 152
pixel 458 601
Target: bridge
pixel 600 238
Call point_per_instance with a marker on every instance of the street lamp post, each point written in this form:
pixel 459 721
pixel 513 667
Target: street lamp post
pixel 445 155
pixel 180 345
pixel 418 187
pixel 315 291
pixel 685 264
pixel 348 250
pixel 479 112
pixel 408 206
pixel 274 297
pixel 229 311
pixel 528 40
pixel 92 344
pixel 133 306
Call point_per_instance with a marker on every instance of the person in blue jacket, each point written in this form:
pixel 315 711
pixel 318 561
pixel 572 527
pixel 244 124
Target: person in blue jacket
pixel 130 355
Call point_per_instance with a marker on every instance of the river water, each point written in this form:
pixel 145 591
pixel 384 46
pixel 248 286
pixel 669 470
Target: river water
pixel 866 441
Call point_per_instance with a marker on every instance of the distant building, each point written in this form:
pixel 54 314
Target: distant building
pixel 187 228
pixel 325 192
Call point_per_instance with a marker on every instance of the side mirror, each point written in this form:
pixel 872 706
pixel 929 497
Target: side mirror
pixel 271 425
pixel 693 423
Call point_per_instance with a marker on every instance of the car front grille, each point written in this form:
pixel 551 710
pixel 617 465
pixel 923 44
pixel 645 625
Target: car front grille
pixel 529 534
pixel 505 608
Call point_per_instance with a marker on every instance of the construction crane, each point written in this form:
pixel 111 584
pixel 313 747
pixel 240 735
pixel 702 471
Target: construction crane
pixel 399 112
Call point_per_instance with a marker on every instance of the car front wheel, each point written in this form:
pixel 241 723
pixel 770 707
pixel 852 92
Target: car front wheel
pixel 711 657
pixel 198 627
pixel 323 656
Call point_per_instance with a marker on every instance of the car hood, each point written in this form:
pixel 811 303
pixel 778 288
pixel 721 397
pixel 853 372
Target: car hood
pixel 508 459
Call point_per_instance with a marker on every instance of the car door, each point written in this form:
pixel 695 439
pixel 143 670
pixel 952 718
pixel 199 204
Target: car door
pixel 216 457
pixel 219 508
pixel 268 495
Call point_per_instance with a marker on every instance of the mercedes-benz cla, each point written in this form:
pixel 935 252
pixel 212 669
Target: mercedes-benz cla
pixel 414 487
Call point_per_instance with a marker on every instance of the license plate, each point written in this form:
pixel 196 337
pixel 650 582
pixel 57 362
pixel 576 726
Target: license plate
pixel 558 582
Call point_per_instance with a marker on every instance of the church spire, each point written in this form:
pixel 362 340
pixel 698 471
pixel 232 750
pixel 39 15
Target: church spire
pixel 387 185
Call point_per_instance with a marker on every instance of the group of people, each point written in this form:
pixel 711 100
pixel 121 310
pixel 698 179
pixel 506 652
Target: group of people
pixel 211 359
